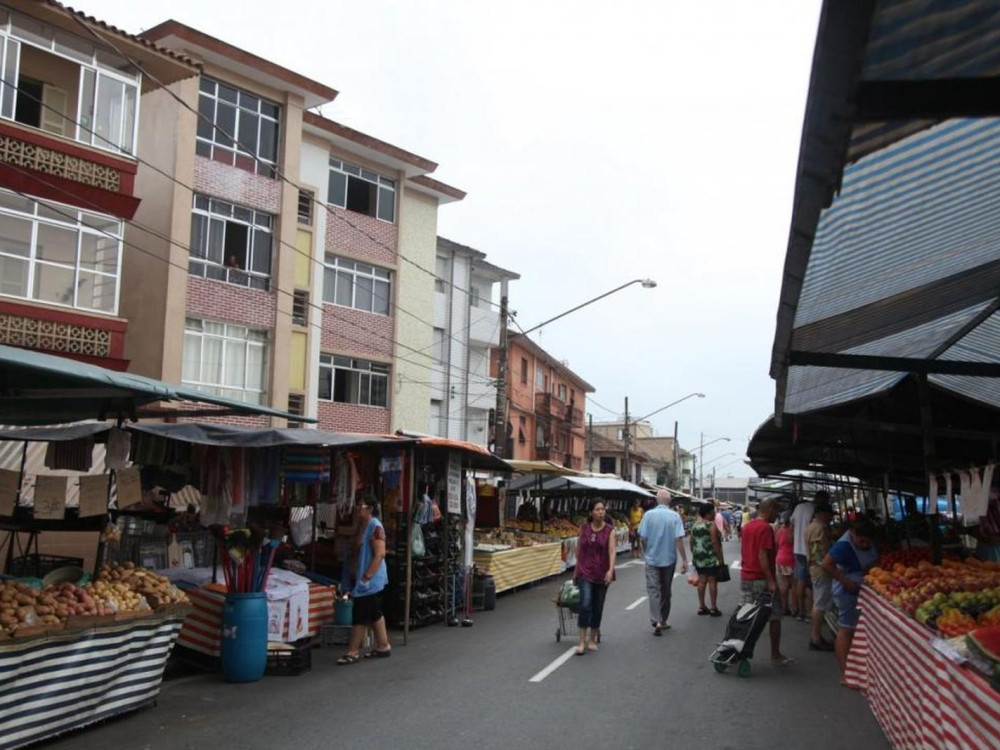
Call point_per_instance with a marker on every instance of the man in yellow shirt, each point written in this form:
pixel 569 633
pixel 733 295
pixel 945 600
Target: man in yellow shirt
pixel 634 517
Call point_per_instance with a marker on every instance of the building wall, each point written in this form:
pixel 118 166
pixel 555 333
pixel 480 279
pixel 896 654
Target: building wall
pixel 217 300
pixel 314 171
pixel 414 292
pixel 154 279
pixel 353 418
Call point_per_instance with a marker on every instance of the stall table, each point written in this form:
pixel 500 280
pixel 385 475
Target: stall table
pixel 203 627
pixel 919 698
pixel 517 566
pixel 66 679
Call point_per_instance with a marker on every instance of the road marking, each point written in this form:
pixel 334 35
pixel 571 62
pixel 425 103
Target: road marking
pixel 553 666
pixel 636 603
pixel 736 565
pixel 629 563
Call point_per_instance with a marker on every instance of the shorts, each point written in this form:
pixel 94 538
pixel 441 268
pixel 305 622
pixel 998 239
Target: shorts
pixel 822 593
pixel 786 570
pixel 633 535
pixel 847 610
pixel 802 570
pixel 748 595
pixel 367 610
pixel 709 572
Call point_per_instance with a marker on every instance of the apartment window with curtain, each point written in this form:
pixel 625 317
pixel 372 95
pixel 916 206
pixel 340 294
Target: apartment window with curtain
pixel 358 285
pixel 226 360
pixel 59 255
pixel 231 243
pixel 237 128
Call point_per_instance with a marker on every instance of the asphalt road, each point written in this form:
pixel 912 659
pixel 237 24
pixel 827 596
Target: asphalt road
pixel 471 688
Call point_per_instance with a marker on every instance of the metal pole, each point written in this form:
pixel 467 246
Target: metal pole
pixel 626 469
pixel 590 442
pixel 410 503
pixel 500 412
pixel 701 468
pixel 677 468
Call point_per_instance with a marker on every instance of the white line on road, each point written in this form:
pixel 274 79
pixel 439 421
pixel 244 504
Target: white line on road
pixel 629 563
pixel 553 666
pixel 636 603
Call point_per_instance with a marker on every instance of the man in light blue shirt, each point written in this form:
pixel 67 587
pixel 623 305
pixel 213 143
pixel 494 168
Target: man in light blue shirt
pixel 661 535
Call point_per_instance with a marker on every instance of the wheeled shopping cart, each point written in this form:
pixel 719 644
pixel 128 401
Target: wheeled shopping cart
pixel 567 626
pixel 742 632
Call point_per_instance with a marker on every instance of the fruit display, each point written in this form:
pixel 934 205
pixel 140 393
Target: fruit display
pixel 511 538
pixel 953 598
pixel 117 589
pixel 985 641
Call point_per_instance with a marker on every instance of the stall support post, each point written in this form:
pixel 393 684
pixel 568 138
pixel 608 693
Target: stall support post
pixel 17 502
pixel 410 504
pixel 626 469
pixel 927 423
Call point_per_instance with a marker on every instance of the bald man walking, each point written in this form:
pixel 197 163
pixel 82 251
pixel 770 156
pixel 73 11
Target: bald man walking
pixel 661 538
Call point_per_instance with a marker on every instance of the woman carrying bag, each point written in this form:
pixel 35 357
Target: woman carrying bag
pixel 706 554
pixel 595 569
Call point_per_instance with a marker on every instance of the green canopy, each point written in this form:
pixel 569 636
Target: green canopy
pixel 37 388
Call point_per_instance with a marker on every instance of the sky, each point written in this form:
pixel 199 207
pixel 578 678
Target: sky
pixel 598 143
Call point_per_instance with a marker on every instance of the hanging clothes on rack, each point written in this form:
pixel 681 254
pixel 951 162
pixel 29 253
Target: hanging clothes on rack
pixel 74 455
pixel 306 464
pixel 118 448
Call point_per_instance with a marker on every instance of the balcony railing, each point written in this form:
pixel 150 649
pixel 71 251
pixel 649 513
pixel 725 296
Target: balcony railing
pixel 550 454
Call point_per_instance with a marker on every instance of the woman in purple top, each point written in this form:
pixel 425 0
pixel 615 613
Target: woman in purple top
pixel 595 569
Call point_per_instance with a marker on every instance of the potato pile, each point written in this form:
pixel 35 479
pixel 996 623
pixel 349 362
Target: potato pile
pixel 126 585
pixel 22 606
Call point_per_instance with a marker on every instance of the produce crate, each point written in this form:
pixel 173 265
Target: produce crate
pixel 40 565
pixel 290 662
pixel 339 635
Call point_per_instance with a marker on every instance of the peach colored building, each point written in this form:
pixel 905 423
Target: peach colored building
pixel 546 403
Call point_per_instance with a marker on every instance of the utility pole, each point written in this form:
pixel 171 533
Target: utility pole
pixel 500 413
pixel 677 469
pixel 626 469
pixel 701 468
pixel 590 442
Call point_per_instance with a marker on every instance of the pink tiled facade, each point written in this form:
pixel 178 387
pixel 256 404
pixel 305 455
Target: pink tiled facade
pixel 217 300
pixel 237 186
pixel 363 334
pixel 360 236
pixel 353 418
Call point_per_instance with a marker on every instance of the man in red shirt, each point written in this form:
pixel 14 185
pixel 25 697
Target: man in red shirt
pixel 757 571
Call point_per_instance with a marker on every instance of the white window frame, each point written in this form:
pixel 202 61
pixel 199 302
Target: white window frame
pixel 205 145
pixel 67 218
pixel 233 335
pixel 214 210
pixel 364 368
pixel 92 59
pixel 337 267
pixel 386 199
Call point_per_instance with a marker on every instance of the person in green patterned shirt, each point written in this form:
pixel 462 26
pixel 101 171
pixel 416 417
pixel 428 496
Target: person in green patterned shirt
pixel 706 555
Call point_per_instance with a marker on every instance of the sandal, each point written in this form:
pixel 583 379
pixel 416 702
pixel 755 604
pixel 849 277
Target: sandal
pixel 379 654
pixel 348 659
pixel 714 612
pixel 703 610
pixel 657 629
pixel 579 651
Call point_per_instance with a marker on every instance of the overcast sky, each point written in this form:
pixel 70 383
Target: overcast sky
pixel 598 143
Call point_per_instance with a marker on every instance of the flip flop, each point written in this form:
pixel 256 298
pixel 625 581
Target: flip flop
pixel 348 659
pixel 377 654
pixel 579 652
pixel 703 610
pixel 657 629
pixel 715 613
pixel 785 661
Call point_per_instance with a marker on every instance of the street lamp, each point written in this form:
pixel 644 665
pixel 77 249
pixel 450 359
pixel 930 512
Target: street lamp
pixel 701 468
pixel 646 284
pixel 500 414
pixel 627 432
pixel 716 458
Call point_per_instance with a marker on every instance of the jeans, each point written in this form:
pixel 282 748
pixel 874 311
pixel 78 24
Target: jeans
pixel 658 584
pixel 591 604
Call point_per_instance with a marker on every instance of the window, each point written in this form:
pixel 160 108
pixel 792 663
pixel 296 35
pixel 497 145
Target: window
pixel 58 254
pixel 353 381
pixel 300 308
pixel 435 425
pixel 296 405
pixel 541 437
pixel 607 465
pixel 305 207
pixel 562 391
pixel 230 243
pixel 476 296
pixel 621 434
pixel 441 275
pixel 225 359
pixel 521 426
pixel 439 345
pixel 64 84
pixel 541 382
pixel 361 190
pixel 524 371
pixel 351 284
pixel 237 128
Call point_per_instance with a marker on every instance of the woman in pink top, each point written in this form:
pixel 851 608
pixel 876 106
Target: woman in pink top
pixel 785 561
pixel 595 569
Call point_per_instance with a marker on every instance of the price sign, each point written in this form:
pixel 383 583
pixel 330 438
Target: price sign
pixel 50 497
pixel 93 495
pixel 454 483
pixel 129 485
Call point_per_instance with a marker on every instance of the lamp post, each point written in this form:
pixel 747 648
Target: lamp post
pixel 627 432
pixel 701 466
pixel 500 413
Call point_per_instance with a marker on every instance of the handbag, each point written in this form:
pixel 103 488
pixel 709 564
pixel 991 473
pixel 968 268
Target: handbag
pixel 722 574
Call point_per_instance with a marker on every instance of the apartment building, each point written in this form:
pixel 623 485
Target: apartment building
pixel 70 90
pixel 283 234
pixel 546 402
pixel 466 327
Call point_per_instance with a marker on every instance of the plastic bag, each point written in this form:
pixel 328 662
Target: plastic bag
pixel 417 541
pixel 692 577
pixel 569 594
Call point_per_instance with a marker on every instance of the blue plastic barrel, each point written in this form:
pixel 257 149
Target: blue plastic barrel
pixel 343 613
pixel 244 637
